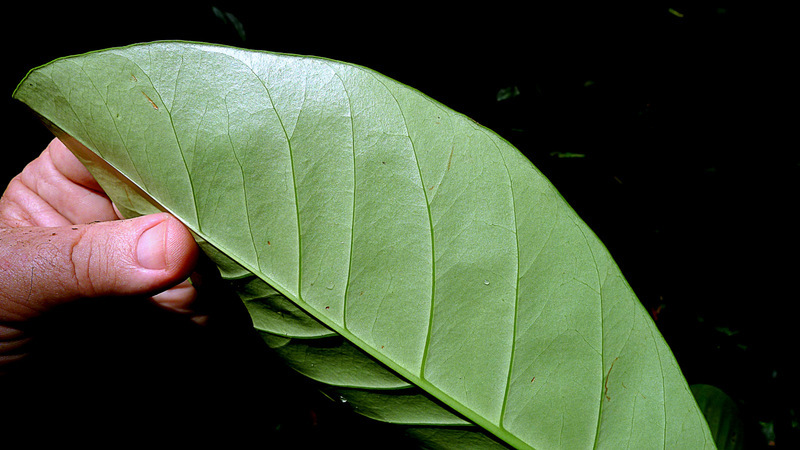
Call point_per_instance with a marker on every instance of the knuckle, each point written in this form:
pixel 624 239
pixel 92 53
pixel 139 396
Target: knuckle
pixel 50 259
pixel 85 257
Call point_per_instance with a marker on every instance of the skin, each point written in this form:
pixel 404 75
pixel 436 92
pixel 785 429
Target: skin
pixel 61 240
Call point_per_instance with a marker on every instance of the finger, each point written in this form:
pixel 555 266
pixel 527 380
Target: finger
pixel 179 298
pixel 44 267
pixel 22 207
pixel 68 165
pixel 59 188
pixel 183 299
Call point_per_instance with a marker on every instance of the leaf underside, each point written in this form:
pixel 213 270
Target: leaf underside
pixel 385 245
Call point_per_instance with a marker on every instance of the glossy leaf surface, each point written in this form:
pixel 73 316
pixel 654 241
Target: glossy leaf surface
pixel 434 248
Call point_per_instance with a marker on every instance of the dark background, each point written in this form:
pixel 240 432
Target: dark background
pixel 670 133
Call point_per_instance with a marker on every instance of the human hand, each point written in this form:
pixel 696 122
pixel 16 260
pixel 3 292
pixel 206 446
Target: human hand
pixel 61 240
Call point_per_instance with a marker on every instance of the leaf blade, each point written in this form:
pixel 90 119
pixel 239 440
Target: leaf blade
pixel 424 239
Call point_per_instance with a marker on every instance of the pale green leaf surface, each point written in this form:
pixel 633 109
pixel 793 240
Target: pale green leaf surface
pixel 273 313
pixel 400 407
pixel 337 363
pixel 422 238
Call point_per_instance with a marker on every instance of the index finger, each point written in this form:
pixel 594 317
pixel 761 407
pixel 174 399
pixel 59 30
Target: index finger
pixel 55 188
pixel 69 166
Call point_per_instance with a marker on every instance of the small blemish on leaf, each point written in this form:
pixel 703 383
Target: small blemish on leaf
pixel 152 103
pixel 450 160
pixel 608 374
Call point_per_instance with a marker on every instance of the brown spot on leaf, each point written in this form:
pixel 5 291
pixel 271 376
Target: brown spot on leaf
pixel 152 103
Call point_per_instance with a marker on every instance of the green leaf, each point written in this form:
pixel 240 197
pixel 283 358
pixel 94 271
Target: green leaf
pixel 722 415
pixel 451 268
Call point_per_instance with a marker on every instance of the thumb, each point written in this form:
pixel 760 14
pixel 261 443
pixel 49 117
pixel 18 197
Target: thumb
pixel 44 267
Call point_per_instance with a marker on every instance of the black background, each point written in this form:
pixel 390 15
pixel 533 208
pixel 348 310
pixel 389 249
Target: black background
pixel 689 173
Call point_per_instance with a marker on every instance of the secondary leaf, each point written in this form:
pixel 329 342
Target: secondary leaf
pixel 442 257
pixel 722 415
